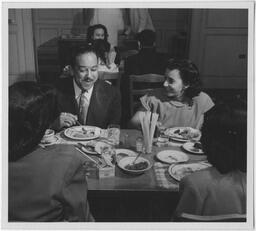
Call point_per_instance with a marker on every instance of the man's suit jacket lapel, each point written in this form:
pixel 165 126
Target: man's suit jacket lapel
pixel 98 103
pixel 70 94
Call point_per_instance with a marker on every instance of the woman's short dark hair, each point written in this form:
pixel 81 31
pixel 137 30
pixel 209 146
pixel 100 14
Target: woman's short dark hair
pixel 224 136
pixel 189 74
pixel 91 29
pixel 32 108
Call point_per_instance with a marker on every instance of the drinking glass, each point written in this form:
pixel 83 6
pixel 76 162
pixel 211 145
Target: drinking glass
pixel 114 134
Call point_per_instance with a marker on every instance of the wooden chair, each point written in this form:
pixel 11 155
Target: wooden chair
pixel 185 217
pixel 111 77
pixel 135 92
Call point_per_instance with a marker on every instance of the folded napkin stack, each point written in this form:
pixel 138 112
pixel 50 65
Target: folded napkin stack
pixel 148 122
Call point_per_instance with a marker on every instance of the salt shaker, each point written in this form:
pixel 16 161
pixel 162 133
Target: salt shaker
pixel 139 144
pixel 126 140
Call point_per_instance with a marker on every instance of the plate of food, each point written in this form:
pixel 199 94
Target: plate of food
pixel 178 171
pixel 82 132
pixel 183 134
pixel 102 147
pixel 172 156
pixel 88 147
pixel 140 166
pixel 193 147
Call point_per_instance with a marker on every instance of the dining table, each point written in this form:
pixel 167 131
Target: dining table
pixel 151 196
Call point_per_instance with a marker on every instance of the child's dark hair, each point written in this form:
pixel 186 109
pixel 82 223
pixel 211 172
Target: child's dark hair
pixel 32 108
pixel 224 135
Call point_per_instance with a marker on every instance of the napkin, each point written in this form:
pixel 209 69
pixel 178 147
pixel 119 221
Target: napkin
pixel 148 122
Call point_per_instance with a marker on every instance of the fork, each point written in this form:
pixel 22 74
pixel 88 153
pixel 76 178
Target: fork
pixel 79 123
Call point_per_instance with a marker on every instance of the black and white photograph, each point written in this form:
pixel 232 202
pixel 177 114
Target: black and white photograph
pixel 128 116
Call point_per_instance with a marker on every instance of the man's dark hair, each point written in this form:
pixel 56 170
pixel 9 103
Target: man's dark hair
pixel 81 50
pixel 32 108
pixel 146 38
pixel 224 135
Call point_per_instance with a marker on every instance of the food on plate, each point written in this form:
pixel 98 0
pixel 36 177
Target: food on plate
pixel 137 166
pixel 198 145
pixel 186 133
pixel 89 148
pixel 83 133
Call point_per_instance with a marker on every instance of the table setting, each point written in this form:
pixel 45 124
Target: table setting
pixel 155 156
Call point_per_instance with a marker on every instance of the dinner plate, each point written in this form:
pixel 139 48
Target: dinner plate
pixel 142 165
pixel 180 134
pixel 102 147
pixel 82 132
pixel 172 156
pixel 189 146
pixel 89 147
pixel 178 171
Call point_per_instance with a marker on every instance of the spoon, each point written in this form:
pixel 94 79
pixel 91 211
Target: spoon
pixel 136 157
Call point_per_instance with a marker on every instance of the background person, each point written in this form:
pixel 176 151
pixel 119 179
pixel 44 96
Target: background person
pixel 43 186
pixel 148 60
pixel 82 96
pixel 113 21
pixel 220 189
pixel 102 48
pixel 99 31
pixel 181 102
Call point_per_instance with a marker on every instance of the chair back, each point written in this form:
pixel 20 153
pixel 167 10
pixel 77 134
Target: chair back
pixel 185 217
pixel 111 77
pixel 146 85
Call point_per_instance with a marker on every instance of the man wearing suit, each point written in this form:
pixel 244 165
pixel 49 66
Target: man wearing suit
pixel 86 98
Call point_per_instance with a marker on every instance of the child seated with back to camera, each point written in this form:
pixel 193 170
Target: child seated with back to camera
pixel 220 189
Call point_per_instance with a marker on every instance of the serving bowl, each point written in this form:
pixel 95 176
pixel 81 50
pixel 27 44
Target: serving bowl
pixel 140 166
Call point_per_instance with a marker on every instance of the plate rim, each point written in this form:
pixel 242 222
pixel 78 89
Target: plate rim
pixel 198 153
pixel 179 138
pixel 173 162
pixel 89 138
pixel 125 149
pixel 88 152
